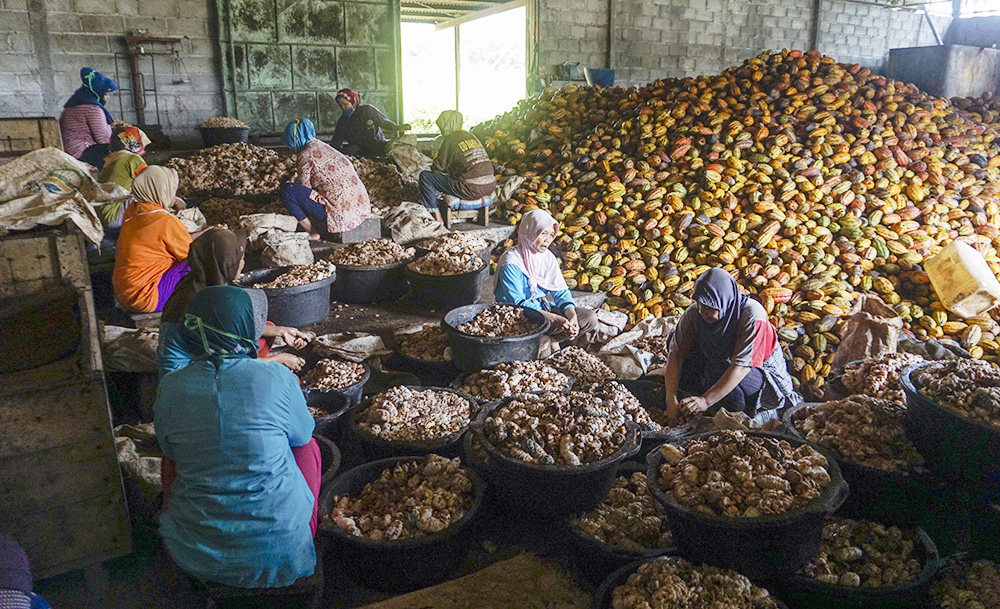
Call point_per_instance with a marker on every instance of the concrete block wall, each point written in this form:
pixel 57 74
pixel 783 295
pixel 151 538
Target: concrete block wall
pixel 44 43
pixel 677 38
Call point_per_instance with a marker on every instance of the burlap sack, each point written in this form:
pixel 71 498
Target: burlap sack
pixel 872 330
pixel 283 249
pixel 409 222
pixel 403 151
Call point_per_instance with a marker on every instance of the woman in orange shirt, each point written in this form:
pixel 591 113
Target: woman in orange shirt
pixel 152 252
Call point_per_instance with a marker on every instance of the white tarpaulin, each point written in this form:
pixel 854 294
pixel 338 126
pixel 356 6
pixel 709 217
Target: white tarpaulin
pixel 50 187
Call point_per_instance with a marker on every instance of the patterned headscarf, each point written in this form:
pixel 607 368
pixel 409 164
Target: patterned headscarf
pixel 298 133
pixel 351 96
pixel 449 121
pixel 127 138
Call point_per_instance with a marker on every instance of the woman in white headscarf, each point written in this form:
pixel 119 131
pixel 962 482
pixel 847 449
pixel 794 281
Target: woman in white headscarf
pixel 528 275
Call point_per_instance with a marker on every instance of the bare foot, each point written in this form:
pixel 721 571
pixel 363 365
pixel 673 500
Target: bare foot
pixel 314 236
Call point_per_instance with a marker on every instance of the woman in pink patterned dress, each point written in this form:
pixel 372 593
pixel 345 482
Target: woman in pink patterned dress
pixel 328 191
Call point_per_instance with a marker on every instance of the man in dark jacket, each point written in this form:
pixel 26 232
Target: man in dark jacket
pixel 461 169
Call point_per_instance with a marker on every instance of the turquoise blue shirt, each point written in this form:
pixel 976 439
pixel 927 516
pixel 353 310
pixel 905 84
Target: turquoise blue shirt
pixel 240 507
pixel 512 287
pixel 170 354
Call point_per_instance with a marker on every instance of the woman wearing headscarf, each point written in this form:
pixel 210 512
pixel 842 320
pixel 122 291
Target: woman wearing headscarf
pixel 461 169
pixel 725 354
pixel 216 258
pixel 359 128
pixel 242 509
pixel 85 122
pixel 152 251
pixel 329 190
pixel 528 273
pixel 122 164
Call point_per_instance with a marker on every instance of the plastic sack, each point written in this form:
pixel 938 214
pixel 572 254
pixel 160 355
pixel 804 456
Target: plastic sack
pixel 129 350
pixel 872 330
pixel 257 225
pixel 284 249
pixel 192 218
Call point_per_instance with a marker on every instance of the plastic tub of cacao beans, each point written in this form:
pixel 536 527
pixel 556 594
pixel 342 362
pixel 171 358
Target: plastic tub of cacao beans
pixel 459 385
pixel 604 594
pixel 759 547
pixel 329 457
pixel 551 490
pixel 377 448
pixel 596 558
pixel 423 249
pixel 395 566
pixel 367 284
pixel 445 291
pixel 471 352
pixel 437 373
pixel 955 446
pixel 213 136
pixel 802 592
pixel 333 403
pixel 903 497
pixel 329 399
pixel 296 306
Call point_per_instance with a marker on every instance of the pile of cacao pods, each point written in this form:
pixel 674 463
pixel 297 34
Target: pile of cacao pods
pixel 810 181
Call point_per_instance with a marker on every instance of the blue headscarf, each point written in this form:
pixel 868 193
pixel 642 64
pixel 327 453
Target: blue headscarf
pixel 298 133
pixel 219 324
pixel 95 86
pixel 717 289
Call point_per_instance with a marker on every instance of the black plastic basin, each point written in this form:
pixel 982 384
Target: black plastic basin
pixel 297 306
pixel 470 352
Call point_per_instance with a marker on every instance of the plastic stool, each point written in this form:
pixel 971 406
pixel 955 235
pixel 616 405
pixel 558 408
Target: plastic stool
pixel 305 593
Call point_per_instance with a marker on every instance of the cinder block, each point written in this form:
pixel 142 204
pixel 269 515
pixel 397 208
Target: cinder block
pixel 13 21
pixel 21 42
pixel 128 7
pixel 161 8
pixel 83 43
pixel 100 7
pixel 14 5
pixel 188 27
pixel 102 24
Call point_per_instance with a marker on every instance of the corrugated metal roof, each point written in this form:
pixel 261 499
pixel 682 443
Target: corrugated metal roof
pixel 436 11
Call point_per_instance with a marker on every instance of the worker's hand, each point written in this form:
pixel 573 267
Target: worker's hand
pixel 293 337
pixel 179 204
pixel 571 327
pixel 694 405
pixel 288 360
pixel 406 126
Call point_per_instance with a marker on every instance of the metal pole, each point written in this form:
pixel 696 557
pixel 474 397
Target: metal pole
pixel 458 66
pixel 956 8
pixel 817 23
pixel 612 38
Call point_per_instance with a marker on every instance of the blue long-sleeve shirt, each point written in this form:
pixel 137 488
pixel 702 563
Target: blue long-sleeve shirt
pixel 512 287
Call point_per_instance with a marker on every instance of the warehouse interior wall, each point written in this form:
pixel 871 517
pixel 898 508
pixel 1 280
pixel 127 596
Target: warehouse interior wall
pixel 676 38
pixel 43 44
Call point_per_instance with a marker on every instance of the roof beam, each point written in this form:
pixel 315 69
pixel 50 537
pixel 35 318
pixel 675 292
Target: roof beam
pixel 486 12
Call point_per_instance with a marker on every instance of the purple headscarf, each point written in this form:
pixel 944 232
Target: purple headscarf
pixel 717 289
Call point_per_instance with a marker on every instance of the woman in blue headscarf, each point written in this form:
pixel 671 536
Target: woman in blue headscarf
pixel 725 354
pixel 242 499
pixel 329 190
pixel 85 122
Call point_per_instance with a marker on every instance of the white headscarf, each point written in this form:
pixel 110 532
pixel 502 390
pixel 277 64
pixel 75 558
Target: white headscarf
pixel 539 266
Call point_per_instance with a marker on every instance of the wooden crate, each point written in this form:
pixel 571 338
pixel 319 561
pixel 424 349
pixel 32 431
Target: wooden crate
pixel 60 485
pixel 21 135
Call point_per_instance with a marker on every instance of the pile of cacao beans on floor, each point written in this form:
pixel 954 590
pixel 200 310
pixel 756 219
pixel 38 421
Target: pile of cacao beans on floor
pixel 810 181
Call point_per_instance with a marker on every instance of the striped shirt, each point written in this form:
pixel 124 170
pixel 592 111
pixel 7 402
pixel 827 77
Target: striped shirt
pixel 83 126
